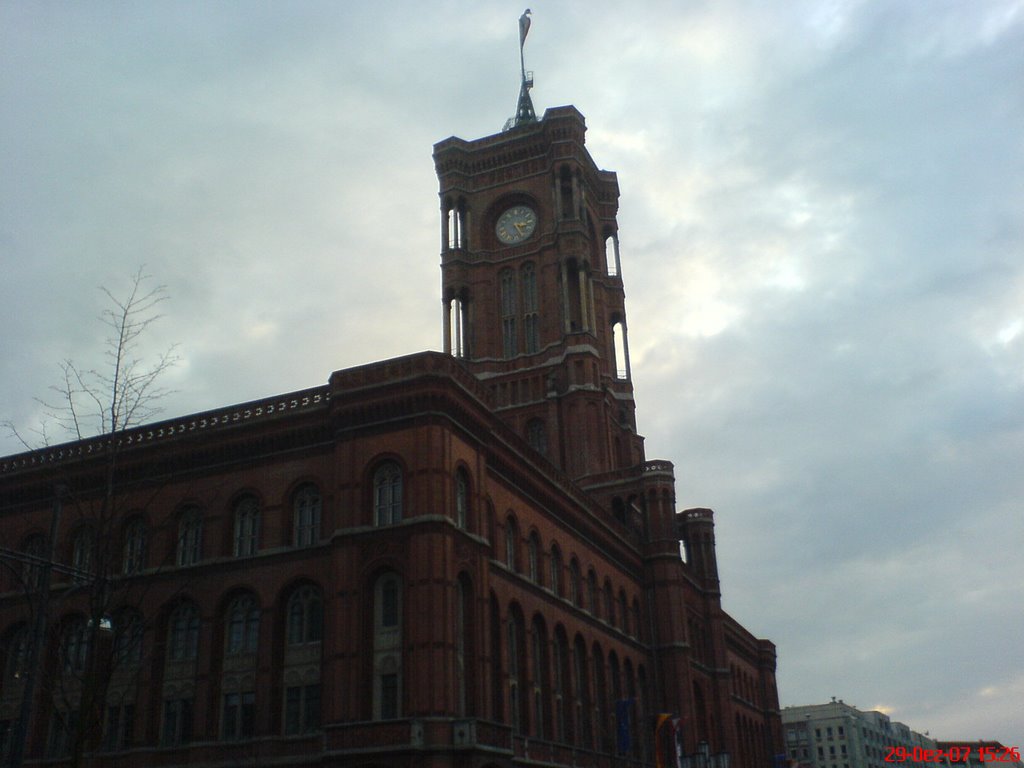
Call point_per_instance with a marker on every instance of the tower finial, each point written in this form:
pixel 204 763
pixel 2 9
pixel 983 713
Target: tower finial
pixel 524 110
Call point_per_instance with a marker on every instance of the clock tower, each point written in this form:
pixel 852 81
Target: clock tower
pixel 532 293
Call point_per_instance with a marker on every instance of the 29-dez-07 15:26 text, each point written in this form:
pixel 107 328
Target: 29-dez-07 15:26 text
pixel 953 754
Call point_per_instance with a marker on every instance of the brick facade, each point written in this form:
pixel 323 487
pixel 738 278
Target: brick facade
pixel 458 558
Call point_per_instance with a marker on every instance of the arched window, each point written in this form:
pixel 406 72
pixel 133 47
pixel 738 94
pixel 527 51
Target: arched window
pixel 461 499
pixel 133 552
pixel 190 536
pixel 539 677
pixel 581 689
pixel 387 494
pixel 387 647
pixel 243 626
pixel 575 594
pixel 592 592
pixel 128 629
pixel 507 279
pixel 305 614
pixel 247 527
pixel 562 692
pixel 531 331
pixel 34 550
pixel 306 505
pixel 517 704
pixel 511 544
pixel 556 570
pixel 75 645
pixel 16 655
pixel 609 603
pixel 638 627
pixel 183 633
pixel 533 557
pixel 623 611
pixel 83 548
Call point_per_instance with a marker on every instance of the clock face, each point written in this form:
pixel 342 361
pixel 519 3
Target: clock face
pixel 516 224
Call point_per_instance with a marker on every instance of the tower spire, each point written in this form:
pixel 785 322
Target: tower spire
pixel 524 110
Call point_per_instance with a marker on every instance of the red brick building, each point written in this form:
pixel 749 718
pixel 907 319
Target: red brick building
pixel 446 559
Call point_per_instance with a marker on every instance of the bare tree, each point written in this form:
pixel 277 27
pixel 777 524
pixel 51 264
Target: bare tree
pixel 96 652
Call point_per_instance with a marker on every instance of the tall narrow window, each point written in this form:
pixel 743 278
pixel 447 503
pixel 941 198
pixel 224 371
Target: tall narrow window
pixel 387 647
pixel 620 348
pixel 575 595
pixel 190 536
pixel 531 331
pixel 133 555
pixel 16 653
pixel 247 527
pixel 556 570
pixel 306 516
pixel 539 678
pixel 387 494
pixel 508 312
pixel 461 499
pixel 609 603
pixel 513 677
pixel 592 592
pixel 511 544
pixel 533 556
pixel 561 692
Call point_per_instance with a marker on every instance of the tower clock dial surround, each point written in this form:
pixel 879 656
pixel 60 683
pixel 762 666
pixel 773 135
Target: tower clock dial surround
pixel 516 224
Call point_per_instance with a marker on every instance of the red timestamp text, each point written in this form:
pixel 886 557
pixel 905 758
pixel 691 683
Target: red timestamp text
pixel 954 754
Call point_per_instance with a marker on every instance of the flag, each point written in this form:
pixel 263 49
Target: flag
pixel 524 26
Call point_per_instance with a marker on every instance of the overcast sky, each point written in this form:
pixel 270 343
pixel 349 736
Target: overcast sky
pixel 822 234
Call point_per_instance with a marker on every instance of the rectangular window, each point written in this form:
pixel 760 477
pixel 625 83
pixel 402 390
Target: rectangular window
pixel 301 709
pixel 388 697
pixel 508 313
pixel 239 715
pixel 177 726
pixel 119 727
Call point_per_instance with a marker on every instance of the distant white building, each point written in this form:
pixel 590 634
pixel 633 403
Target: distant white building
pixel 837 735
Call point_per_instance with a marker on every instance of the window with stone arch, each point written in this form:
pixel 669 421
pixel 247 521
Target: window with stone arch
pixel 16 649
pixel 242 626
pixel 133 549
pixel 387 494
pixel 305 616
pixel 247 527
pixel 83 550
pixel 592 603
pixel 34 549
pixel 509 342
pixel 511 544
pixel 609 603
pixel 533 557
pixel 461 498
pixel 306 506
pixel 387 647
pixel 575 591
pixel 531 319
pixel 556 570
pixel 183 633
pixel 190 536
